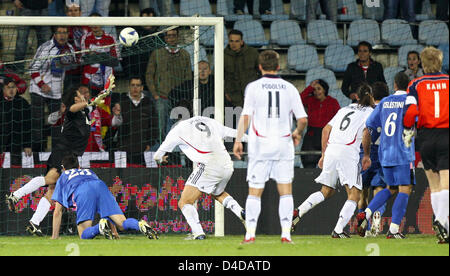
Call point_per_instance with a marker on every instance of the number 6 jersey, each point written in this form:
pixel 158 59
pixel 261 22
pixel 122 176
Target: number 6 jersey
pixel 388 115
pixel 347 128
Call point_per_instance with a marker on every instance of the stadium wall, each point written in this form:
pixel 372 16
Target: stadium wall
pixel 154 197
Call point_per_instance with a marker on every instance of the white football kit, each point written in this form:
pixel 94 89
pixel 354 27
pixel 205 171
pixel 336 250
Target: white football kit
pixel 201 139
pixel 271 102
pixel 341 159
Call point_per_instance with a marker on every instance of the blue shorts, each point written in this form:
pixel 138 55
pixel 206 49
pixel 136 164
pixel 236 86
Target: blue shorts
pixel 94 197
pixel 399 175
pixel 373 176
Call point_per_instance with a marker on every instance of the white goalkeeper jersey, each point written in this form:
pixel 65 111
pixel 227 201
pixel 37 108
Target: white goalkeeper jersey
pixel 271 103
pixel 347 127
pixel 201 139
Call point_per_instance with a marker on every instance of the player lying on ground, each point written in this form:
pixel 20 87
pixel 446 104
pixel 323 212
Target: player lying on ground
pixel 74 138
pixel 82 188
pixel 201 139
pixel 341 141
pixel 397 160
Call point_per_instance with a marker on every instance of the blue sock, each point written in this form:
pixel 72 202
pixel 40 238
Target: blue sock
pixel 131 224
pixel 399 208
pixel 90 232
pixel 379 199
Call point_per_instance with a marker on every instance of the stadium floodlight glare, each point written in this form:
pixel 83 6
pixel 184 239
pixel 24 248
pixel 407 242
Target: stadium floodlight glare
pixel 217 22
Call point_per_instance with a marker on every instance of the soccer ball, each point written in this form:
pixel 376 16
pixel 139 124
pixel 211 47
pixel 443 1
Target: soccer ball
pixel 128 37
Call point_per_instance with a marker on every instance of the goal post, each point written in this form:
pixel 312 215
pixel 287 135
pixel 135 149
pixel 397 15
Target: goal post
pixel 218 60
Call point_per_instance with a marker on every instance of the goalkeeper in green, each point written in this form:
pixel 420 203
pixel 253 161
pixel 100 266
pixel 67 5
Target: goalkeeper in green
pixel 74 138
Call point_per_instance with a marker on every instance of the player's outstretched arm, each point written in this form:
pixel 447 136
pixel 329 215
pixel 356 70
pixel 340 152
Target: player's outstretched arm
pixel 80 103
pixel 57 215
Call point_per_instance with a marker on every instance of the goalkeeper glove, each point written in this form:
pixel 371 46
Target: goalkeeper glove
pixel 99 99
pixel 407 136
pixel 108 87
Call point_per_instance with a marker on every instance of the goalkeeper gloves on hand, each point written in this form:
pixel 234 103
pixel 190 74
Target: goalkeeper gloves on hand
pixel 407 136
pixel 108 87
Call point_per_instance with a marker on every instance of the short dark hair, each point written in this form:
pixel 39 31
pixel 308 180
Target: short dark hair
pixel 68 97
pixel 401 80
pixel 380 90
pixel 134 78
pixel 236 32
pixel 367 44
pixel 324 85
pixel 148 11
pixel 70 162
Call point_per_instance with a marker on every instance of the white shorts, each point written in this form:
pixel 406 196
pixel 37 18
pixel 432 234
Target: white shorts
pixel 210 180
pixel 259 172
pixel 338 165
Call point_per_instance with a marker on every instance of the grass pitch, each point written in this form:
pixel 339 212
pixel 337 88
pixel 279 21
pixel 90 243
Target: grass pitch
pixel 175 245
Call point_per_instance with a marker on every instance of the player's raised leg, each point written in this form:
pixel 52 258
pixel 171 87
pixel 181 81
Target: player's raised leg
pixel 188 197
pixel 312 201
pixel 230 203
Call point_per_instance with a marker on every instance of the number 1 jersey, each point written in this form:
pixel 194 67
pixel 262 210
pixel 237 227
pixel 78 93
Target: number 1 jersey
pixel 271 102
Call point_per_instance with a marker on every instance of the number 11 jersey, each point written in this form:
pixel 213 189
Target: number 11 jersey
pixel 271 102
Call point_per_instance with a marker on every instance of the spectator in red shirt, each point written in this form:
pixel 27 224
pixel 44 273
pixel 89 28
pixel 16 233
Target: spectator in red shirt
pixel 320 108
pixel 7 73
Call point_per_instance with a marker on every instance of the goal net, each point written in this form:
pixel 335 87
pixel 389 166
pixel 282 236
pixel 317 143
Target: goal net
pixel 166 76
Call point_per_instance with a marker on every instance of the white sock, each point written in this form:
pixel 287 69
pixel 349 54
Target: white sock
pixel 310 203
pixel 33 185
pixel 435 203
pixel 252 211
pixel 191 215
pixel 393 228
pixel 443 208
pixel 346 214
pixel 368 213
pixel 41 211
pixel 285 209
pixel 230 203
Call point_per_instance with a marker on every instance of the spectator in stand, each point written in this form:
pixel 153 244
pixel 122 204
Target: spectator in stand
pixel 241 67
pixel 138 129
pixel 95 75
pixel 320 108
pixel 95 142
pixel 329 8
pixel 15 123
pixel 239 6
pixel 43 33
pixel 95 6
pixel 364 69
pixel 135 60
pixel 407 8
pixel 185 91
pixel 7 73
pixel 47 76
pixel 56 7
pixel 76 33
pixel 414 69
pixel 167 68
